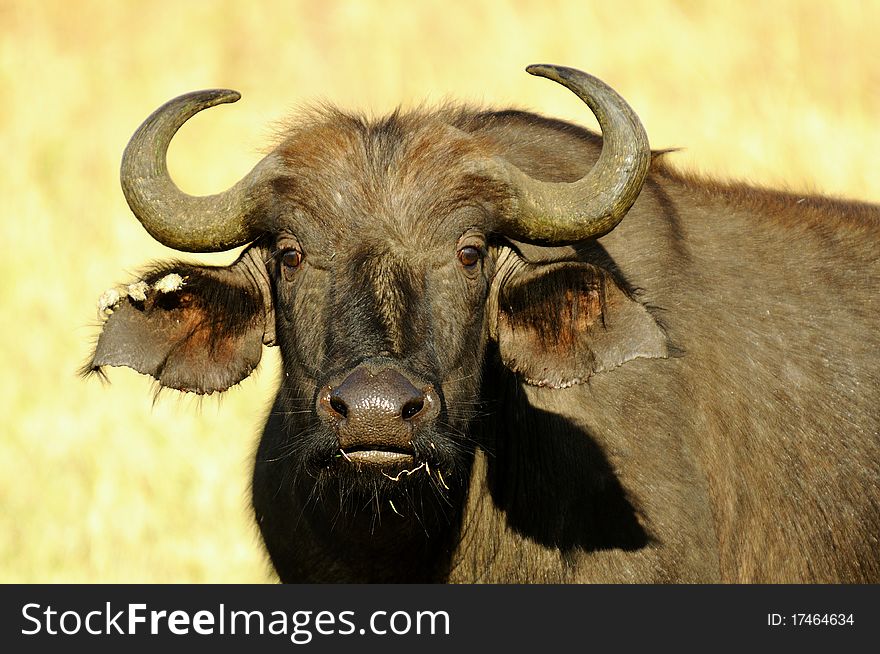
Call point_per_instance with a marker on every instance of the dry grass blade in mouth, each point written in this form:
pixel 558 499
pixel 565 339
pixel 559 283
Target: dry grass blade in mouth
pixel 423 464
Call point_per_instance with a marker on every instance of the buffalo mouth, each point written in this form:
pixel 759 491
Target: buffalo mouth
pixel 378 456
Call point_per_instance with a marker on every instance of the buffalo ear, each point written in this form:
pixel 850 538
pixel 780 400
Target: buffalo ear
pixel 559 323
pixel 192 328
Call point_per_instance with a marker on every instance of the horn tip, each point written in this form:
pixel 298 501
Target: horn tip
pixel 227 95
pixel 571 78
pixel 546 70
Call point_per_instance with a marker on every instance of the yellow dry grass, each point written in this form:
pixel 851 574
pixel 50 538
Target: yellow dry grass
pixel 99 484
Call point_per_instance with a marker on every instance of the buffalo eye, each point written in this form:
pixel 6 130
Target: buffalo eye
pixel 469 256
pixel 290 261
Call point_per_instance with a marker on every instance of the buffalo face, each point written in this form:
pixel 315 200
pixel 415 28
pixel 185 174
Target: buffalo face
pixel 380 287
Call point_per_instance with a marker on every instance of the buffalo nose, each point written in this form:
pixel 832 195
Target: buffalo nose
pixel 381 396
pixel 377 409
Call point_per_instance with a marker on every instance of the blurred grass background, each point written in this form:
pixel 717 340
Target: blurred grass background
pixel 99 484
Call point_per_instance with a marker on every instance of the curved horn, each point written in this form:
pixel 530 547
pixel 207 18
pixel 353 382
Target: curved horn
pixel 562 212
pixel 210 223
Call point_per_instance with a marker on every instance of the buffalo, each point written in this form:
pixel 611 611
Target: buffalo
pixel 489 376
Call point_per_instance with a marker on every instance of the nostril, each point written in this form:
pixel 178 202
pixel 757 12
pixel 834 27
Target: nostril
pixel 338 405
pixel 412 408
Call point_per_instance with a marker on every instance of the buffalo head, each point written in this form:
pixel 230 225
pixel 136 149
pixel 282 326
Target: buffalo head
pixel 392 262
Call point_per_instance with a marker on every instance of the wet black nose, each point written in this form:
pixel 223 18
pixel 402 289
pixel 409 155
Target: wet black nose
pixel 386 395
pixel 377 409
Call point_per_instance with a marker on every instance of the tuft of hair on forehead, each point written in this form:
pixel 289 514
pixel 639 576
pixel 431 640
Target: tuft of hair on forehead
pixel 321 132
pixel 426 153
